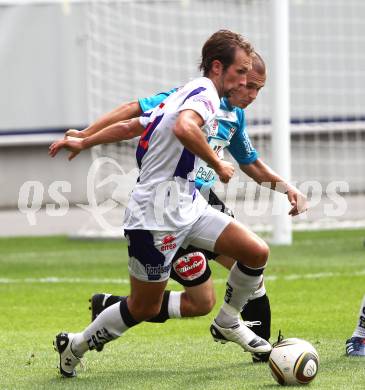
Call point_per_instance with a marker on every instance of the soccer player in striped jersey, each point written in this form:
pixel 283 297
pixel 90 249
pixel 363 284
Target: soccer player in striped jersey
pixel 173 137
pixel 189 265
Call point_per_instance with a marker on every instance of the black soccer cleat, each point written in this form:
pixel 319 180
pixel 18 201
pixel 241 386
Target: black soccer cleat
pixel 264 357
pixel 260 357
pixel 97 304
pixel 68 361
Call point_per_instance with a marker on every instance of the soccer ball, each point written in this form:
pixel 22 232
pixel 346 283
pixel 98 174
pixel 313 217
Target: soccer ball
pixel 293 362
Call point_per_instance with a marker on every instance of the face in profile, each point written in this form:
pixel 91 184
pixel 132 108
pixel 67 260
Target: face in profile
pixel 235 76
pixel 245 95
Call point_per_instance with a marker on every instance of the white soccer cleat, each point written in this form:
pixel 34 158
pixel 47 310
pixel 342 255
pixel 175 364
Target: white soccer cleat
pixel 241 335
pixel 68 361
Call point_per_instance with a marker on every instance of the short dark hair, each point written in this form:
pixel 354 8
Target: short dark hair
pixel 222 46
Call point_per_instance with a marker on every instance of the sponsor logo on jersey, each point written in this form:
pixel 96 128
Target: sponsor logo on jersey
pixel 232 130
pixel 190 266
pixel 207 103
pixel 205 173
pixel 213 130
pixel 218 149
pixel 248 145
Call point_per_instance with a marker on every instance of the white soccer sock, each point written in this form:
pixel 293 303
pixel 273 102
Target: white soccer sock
pixel 79 345
pixel 108 326
pixel 360 329
pixel 174 304
pixel 260 292
pixel 240 287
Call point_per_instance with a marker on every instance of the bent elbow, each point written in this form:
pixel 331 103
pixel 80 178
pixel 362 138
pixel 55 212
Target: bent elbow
pixel 134 109
pixel 178 131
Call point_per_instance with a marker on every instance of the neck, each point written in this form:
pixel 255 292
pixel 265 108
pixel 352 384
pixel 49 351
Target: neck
pixel 218 85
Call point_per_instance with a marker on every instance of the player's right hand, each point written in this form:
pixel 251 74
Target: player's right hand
pixel 74 145
pixel 298 201
pixel 225 171
pixel 75 133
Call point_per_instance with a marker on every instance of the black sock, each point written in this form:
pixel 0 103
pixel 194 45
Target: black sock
pixel 126 315
pixel 113 299
pixel 163 315
pixel 259 310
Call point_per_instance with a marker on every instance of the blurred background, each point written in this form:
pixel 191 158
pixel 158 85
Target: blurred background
pixel 63 63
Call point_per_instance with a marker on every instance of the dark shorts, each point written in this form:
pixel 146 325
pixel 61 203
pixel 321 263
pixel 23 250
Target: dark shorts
pixel 182 255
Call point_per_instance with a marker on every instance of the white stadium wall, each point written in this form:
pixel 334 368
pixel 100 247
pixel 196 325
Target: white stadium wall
pixel 42 67
pixel 43 84
pixel 51 81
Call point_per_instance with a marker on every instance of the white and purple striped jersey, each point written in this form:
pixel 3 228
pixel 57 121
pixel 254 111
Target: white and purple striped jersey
pixel 228 131
pixel 165 197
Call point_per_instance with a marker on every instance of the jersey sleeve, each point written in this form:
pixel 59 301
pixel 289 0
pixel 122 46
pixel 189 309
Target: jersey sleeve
pixel 240 146
pixel 145 118
pixel 203 100
pixel 151 102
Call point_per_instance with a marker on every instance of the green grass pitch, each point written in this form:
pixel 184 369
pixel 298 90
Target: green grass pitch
pixel 315 288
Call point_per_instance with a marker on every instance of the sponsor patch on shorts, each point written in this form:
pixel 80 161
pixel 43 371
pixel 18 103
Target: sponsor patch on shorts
pixel 190 266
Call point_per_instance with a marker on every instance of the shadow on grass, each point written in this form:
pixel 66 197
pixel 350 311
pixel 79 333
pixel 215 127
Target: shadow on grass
pixel 218 376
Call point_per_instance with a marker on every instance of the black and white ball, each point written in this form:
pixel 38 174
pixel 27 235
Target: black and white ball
pixel 294 362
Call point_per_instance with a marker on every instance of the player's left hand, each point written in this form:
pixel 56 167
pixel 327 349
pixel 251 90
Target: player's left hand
pixel 298 201
pixel 74 145
pixel 75 133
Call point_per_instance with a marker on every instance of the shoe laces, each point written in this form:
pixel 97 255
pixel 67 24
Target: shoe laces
pixel 280 339
pixel 250 324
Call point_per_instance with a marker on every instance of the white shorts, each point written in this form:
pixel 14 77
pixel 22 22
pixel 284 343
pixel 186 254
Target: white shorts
pixel 151 251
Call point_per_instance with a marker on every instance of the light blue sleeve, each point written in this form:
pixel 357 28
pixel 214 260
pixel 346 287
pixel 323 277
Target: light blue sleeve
pixel 151 102
pixel 241 147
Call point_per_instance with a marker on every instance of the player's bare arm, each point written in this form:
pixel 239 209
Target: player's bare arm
pixel 263 174
pixel 188 130
pixel 121 113
pixel 119 131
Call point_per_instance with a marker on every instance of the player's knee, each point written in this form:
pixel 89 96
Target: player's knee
pixel 257 255
pixel 208 305
pixel 205 306
pixel 263 253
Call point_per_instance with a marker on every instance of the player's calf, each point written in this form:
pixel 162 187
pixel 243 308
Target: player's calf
pixel 193 308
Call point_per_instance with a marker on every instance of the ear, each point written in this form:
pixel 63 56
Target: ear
pixel 217 67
